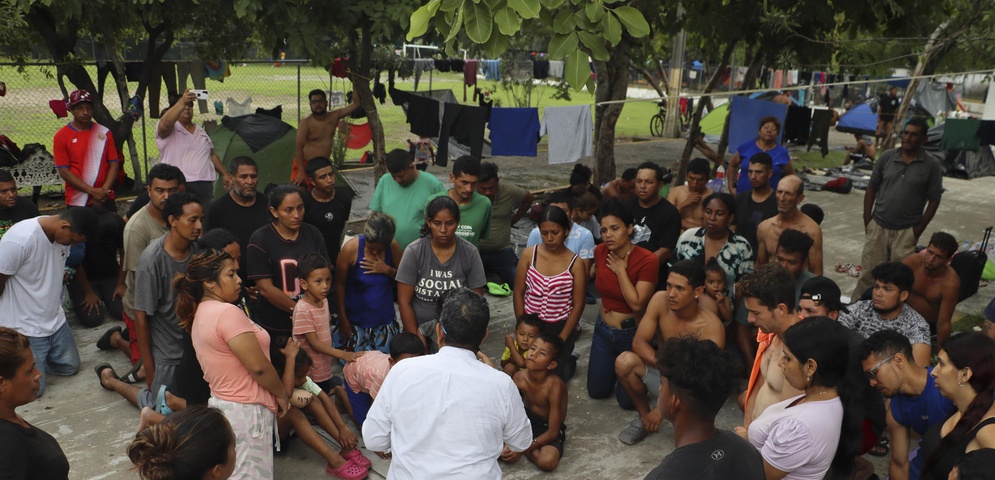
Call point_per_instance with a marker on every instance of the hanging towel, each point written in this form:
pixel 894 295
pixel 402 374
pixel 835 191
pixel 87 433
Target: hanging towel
pixel 237 109
pixel 465 124
pixel 217 71
pixel 540 69
pixel 456 64
pixel 421 113
pixel 469 75
pixel 514 131
pixel 339 68
pixel 986 132
pixel 443 65
pixel 492 70
pixel 821 118
pixel 744 123
pixel 133 71
pixel 797 123
pixel 556 68
pixel 422 65
pixel 778 79
pixel 961 134
pixel 569 131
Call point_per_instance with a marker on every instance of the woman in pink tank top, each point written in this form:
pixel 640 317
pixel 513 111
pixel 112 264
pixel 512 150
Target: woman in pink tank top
pixel 550 283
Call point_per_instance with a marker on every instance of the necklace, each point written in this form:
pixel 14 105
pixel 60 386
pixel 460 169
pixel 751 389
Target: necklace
pixel 820 393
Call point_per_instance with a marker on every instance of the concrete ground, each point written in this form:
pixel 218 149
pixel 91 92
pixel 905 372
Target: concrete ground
pixel 94 426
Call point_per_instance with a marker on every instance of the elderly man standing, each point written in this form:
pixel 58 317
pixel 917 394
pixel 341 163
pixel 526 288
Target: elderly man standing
pixel 904 181
pixel 186 146
pixel 85 156
pixel 449 415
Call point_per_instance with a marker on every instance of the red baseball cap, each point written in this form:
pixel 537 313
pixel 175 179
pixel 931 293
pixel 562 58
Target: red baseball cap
pixel 78 97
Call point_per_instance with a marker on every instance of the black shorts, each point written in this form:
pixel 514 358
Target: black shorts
pixel 539 427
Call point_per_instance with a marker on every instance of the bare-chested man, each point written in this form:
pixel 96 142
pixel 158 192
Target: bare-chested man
pixel 624 189
pixel 769 296
pixel 317 131
pixel 687 198
pixel 671 313
pixel 934 293
pixel 790 193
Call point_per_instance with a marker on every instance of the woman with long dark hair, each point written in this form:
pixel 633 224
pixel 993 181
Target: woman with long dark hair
pixel 965 374
pixel 550 282
pixel 803 436
pixel 195 443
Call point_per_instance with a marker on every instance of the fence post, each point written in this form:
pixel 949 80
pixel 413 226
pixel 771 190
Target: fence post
pixel 299 95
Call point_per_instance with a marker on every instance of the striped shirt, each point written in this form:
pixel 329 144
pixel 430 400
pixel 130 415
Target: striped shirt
pixel 549 297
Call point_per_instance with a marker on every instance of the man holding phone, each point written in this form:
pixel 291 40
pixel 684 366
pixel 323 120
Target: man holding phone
pixel 186 146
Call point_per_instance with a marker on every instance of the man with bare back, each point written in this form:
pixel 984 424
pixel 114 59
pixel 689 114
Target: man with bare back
pixel 671 313
pixel 687 198
pixel 769 296
pixel 934 293
pixel 790 193
pixel 316 131
pixel 545 398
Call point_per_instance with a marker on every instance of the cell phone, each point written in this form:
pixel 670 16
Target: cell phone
pixel 201 94
pixel 629 323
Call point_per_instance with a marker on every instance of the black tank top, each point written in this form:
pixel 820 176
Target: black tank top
pixel 951 456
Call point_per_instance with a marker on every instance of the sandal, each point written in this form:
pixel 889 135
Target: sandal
pixel 879 449
pixel 356 457
pixel 100 368
pixel 634 433
pixel 348 471
pixel 105 340
pixel 498 289
pixel 132 375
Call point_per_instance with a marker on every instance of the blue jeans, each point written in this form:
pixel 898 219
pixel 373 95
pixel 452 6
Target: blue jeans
pixel 55 354
pixel 503 262
pixel 606 345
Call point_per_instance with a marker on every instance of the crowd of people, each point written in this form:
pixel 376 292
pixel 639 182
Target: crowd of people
pixel 247 317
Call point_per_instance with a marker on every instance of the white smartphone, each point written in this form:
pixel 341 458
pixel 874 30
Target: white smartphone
pixel 201 94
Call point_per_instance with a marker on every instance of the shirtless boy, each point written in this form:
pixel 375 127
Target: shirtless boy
pixel 545 397
pixel 317 131
pixel 934 293
pixel 671 313
pixel 624 188
pixel 790 193
pixel 687 198
pixel 769 296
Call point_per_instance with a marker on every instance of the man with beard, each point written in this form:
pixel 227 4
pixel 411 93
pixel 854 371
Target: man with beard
pixel 316 132
pixel 241 211
pixel 934 293
pixel 887 310
pixel 672 313
pixel 790 193
pixel 916 404
pixel 758 204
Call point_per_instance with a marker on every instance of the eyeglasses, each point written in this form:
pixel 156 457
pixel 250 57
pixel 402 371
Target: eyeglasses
pixel 872 372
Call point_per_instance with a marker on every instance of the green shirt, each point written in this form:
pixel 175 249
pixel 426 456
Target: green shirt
pixel 474 217
pixel 405 204
pixel 509 197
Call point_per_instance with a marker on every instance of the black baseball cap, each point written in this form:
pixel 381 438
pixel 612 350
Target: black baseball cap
pixel 823 291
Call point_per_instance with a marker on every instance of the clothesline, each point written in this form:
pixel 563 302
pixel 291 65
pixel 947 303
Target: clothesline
pixel 794 87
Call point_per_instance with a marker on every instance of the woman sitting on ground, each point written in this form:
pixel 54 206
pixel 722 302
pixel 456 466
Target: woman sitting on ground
pixel 193 444
pixel 965 374
pixel 28 451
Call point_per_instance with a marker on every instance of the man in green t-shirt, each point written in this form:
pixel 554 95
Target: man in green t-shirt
pixel 475 209
pixel 509 203
pixel 403 195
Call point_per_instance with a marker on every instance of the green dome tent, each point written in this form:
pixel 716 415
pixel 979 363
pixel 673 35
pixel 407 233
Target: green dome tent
pixel 267 140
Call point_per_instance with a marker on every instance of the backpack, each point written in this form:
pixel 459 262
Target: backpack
pixel 969 265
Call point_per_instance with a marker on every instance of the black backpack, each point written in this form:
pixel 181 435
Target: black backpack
pixel 969 266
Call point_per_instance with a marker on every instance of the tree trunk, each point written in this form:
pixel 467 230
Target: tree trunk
pixel 696 118
pixel 899 119
pixel 369 104
pixel 649 79
pixel 612 83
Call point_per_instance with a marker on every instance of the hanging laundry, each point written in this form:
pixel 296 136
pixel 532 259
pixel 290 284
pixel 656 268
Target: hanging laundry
pixel 195 70
pixel 237 109
pixel 443 65
pixel 797 124
pixel 469 76
pixel 465 124
pixel 514 131
pixel 359 136
pixel 406 68
pixel 164 72
pixel 492 70
pixel 339 68
pixel 59 108
pixel 792 77
pixel 217 70
pixel 569 131
pixel 986 132
pixel 379 91
pixel 778 79
pixel 961 134
pixel 556 68
pixel 133 71
pixel 540 69
pixel 421 113
pixel 219 107
pixel 422 65
pixel 275 112
pixel 456 64
pixel 821 118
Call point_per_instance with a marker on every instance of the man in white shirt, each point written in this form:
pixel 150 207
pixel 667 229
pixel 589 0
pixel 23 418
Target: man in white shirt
pixel 426 405
pixel 32 265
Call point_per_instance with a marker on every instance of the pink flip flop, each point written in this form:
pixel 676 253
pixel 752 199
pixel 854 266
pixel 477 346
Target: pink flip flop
pixel 348 471
pixel 357 457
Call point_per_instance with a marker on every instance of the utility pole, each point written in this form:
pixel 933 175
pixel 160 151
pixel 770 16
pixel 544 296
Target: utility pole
pixel 670 125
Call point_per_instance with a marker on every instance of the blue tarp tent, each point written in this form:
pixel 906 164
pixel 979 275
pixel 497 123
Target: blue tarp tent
pixel 859 120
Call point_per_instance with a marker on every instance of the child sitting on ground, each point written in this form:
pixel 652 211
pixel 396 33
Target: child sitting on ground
pixel 526 330
pixel 364 377
pixel 715 287
pixel 312 319
pixel 545 397
pixel 293 363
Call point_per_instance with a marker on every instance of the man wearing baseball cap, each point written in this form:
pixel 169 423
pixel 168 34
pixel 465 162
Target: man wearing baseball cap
pixel 820 297
pixel 85 156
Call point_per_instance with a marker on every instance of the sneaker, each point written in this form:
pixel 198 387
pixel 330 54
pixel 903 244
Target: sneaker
pixel 634 433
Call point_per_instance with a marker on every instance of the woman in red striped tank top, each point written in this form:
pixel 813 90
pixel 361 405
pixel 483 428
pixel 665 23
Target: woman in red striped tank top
pixel 550 283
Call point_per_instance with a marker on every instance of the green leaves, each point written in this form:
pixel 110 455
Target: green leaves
pixel 507 21
pixel 551 4
pixel 450 5
pixel 564 22
pixel 576 70
pixel 612 29
pixel 478 22
pixel 562 45
pixel 633 20
pixel 526 8
pixel 595 11
pixel 420 18
pixel 596 43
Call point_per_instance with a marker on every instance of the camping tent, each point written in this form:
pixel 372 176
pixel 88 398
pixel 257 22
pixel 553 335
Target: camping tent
pixel 267 140
pixel 961 163
pixel 859 120
pixel 713 123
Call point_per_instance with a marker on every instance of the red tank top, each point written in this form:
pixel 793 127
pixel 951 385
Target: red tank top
pixel 550 297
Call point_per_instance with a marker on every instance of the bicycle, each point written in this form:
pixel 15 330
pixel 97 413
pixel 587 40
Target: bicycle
pixel 656 121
